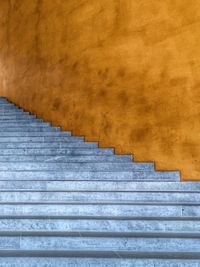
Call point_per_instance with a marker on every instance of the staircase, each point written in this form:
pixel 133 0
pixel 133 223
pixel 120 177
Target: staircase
pixel 67 202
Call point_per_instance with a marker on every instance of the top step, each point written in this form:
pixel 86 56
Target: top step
pixel 7 105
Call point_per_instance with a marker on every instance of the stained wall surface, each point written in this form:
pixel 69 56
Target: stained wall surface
pixel 124 72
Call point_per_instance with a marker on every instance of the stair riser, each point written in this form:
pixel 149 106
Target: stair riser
pixel 100 185
pixel 35 134
pixel 97 262
pixel 93 159
pixel 100 243
pixel 84 175
pixel 41 145
pixel 100 196
pixel 28 119
pixel 5 102
pixel 108 210
pixel 58 151
pixel 75 166
pixel 17 117
pixel 25 123
pixel 8 104
pixel 99 226
pixel 41 139
pixel 13 112
pixel 23 129
pixel 8 108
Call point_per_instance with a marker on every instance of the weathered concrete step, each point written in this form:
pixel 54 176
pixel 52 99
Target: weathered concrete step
pixel 87 175
pixel 6 103
pixel 31 129
pixel 18 166
pixel 101 244
pixel 101 210
pixel 24 123
pixel 113 261
pixel 4 100
pixel 35 139
pixel 149 197
pixel 17 120
pixel 21 120
pixel 101 185
pixel 35 134
pixel 17 117
pixel 100 226
pixel 13 109
pixel 8 107
pixel 14 112
pixel 73 159
pixel 42 145
pixel 10 117
pixel 57 151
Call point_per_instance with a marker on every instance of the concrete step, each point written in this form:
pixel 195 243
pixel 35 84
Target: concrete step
pixel 52 166
pixel 31 129
pixel 96 245
pixel 24 123
pixel 39 139
pixel 6 103
pixel 17 117
pixel 35 134
pixel 79 210
pixel 8 107
pixel 4 100
pixel 101 185
pixel 22 120
pixel 57 151
pixel 88 175
pixel 99 226
pixel 14 112
pixel 98 197
pixel 42 145
pixel 113 261
pixel 57 158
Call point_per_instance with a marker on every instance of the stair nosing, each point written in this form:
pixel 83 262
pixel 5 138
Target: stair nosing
pixel 123 254
pixel 114 234
pixel 100 202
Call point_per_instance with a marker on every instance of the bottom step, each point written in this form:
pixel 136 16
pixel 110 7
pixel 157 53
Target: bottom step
pixel 92 262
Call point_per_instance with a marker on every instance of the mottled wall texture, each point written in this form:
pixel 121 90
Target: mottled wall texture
pixel 124 72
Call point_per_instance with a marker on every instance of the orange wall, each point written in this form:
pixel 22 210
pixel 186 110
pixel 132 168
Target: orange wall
pixel 125 72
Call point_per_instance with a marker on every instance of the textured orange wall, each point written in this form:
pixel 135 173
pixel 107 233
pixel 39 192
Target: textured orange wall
pixel 125 72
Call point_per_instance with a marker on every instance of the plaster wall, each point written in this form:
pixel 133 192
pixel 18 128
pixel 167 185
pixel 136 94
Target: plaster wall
pixel 124 72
